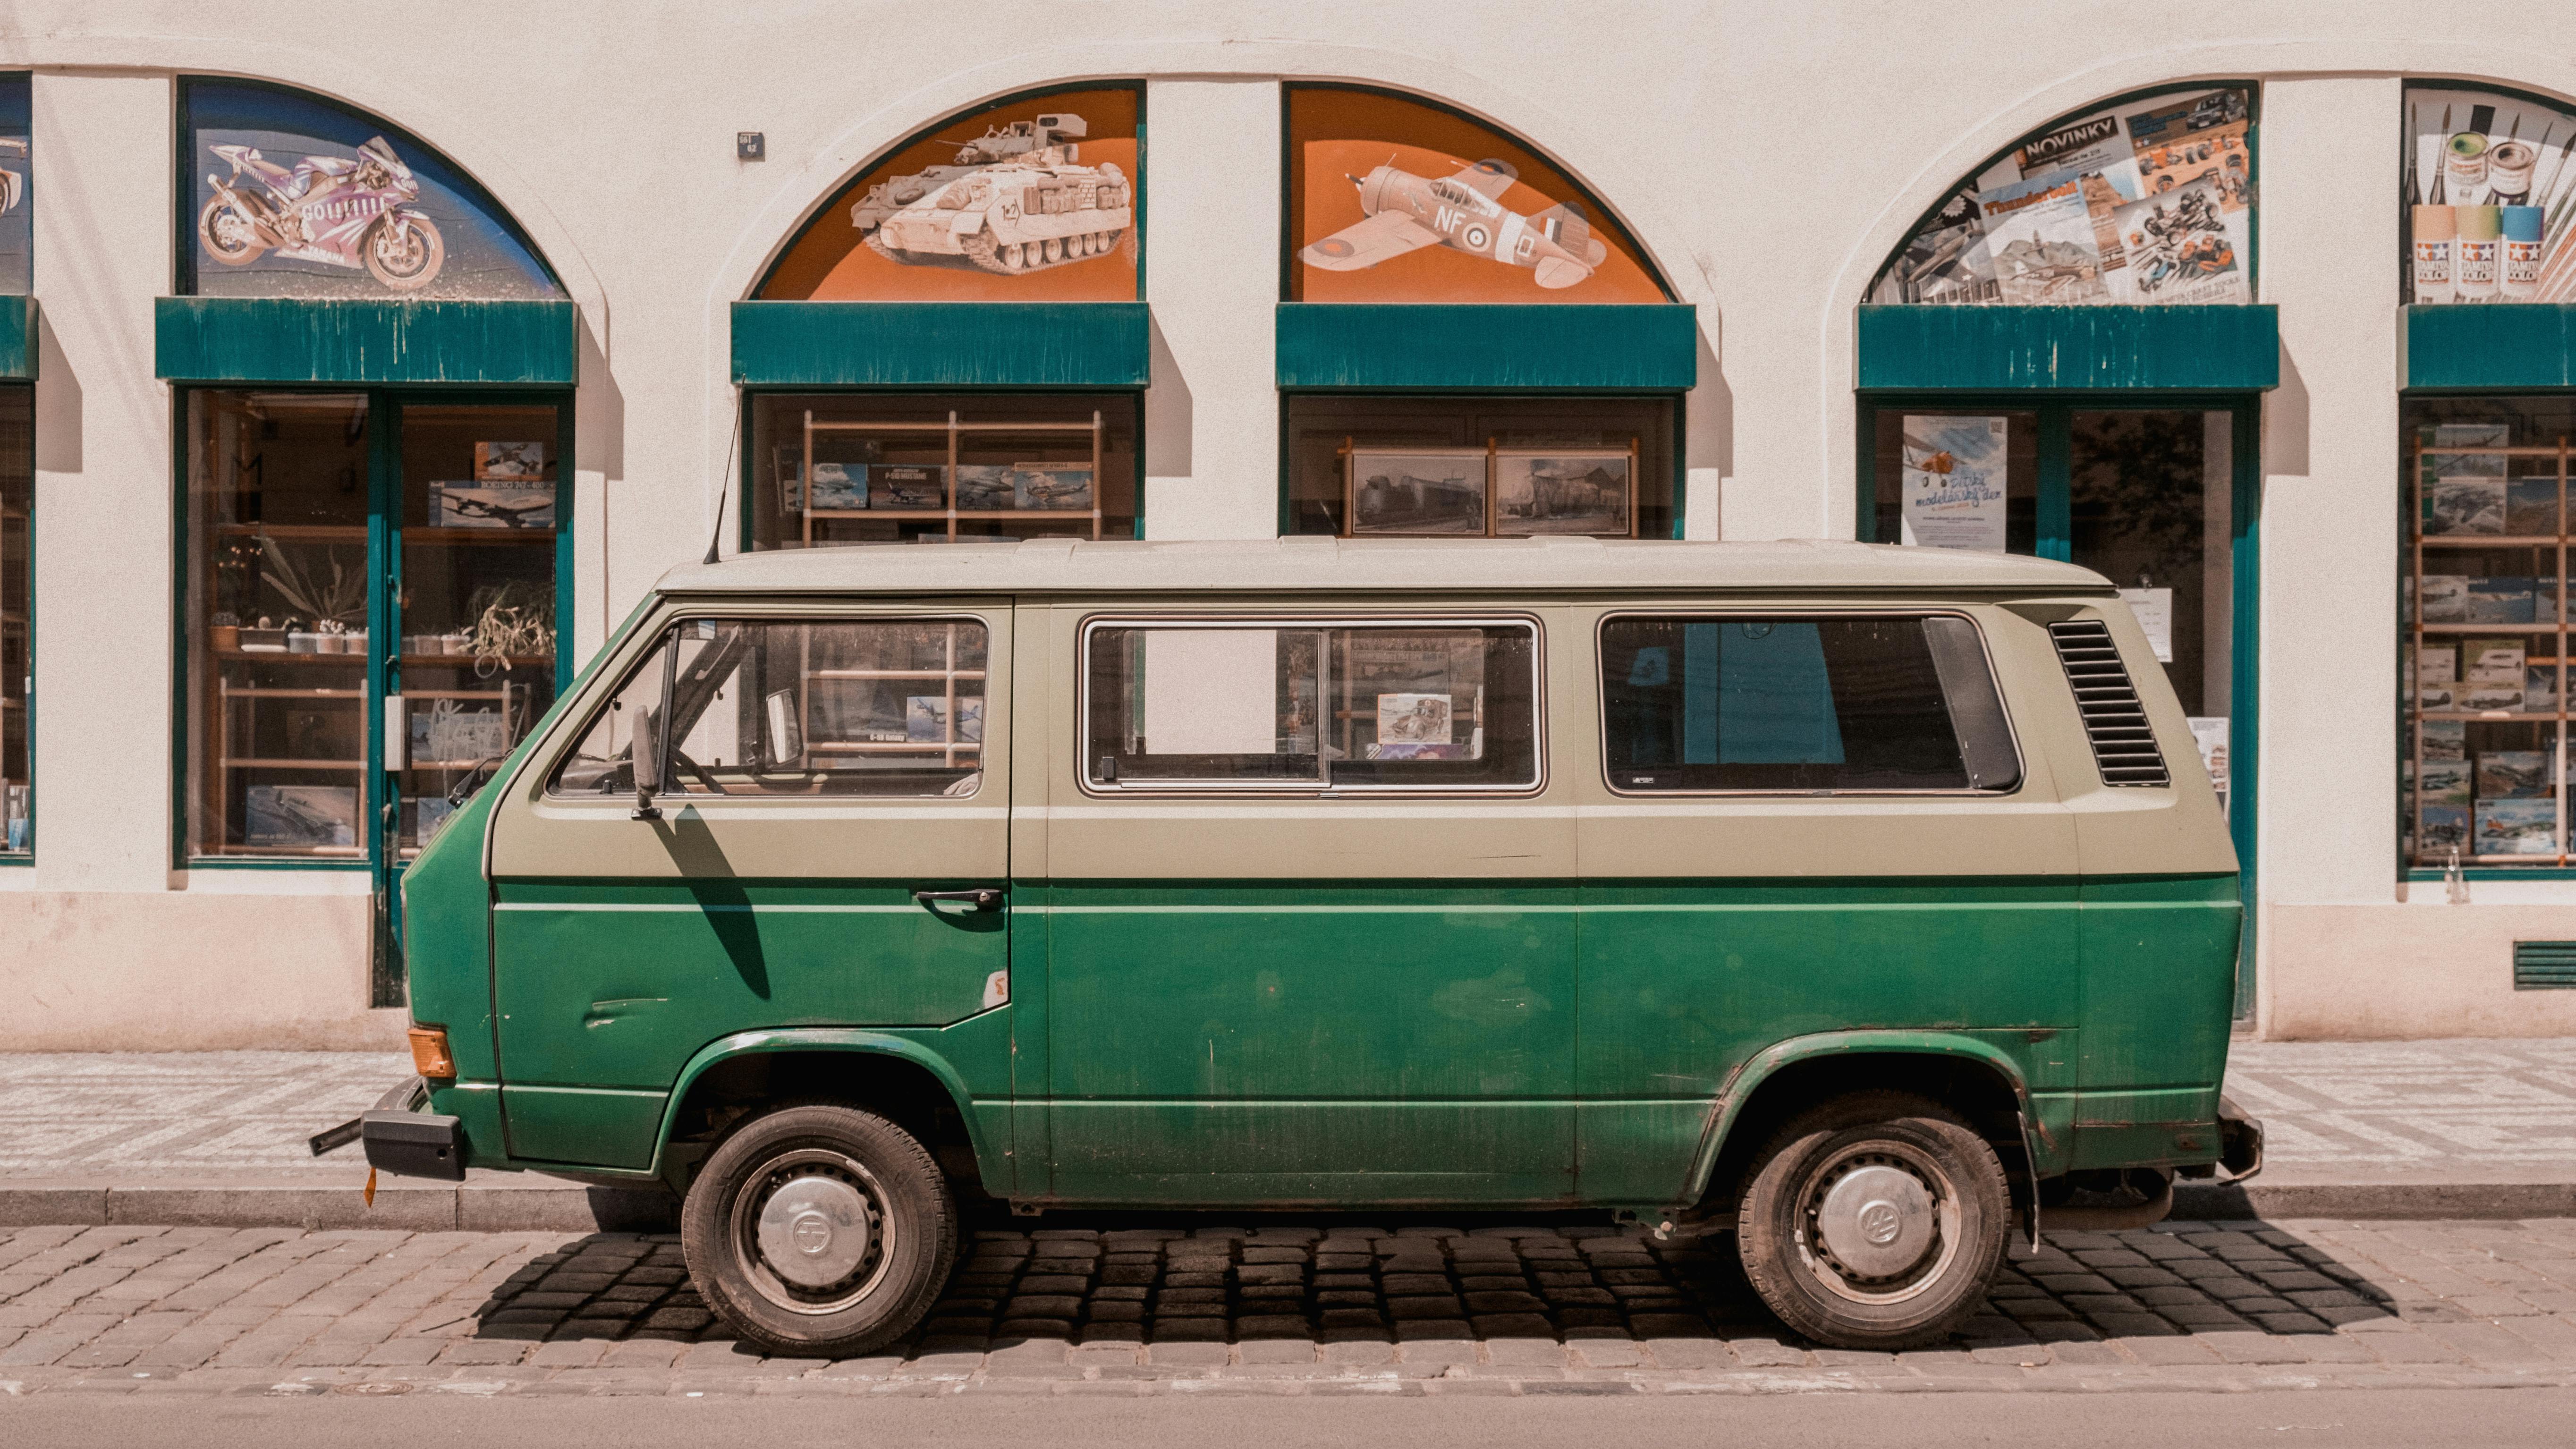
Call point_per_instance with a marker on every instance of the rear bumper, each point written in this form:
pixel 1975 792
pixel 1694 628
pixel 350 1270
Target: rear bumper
pixel 2240 1141
pixel 407 1141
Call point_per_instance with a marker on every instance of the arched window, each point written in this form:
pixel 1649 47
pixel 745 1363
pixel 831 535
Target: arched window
pixel 294 196
pixel 1394 199
pixel 2144 201
pixel 1032 199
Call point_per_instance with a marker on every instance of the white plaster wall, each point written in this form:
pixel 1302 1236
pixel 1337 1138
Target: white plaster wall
pixel 1766 157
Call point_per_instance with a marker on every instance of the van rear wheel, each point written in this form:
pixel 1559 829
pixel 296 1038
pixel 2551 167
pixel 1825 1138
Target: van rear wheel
pixel 820 1231
pixel 1875 1221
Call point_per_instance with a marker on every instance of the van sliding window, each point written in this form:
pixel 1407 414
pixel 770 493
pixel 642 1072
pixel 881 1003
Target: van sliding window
pixel 1837 703
pixel 1327 704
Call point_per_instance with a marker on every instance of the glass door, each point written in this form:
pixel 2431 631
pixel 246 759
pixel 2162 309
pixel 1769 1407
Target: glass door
pixel 470 519
pixel 2158 495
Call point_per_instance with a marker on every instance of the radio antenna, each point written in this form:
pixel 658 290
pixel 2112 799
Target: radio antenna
pixel 715 539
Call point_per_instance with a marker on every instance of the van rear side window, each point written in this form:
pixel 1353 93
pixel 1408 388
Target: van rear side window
pixel 1311 705
pixel 1827 703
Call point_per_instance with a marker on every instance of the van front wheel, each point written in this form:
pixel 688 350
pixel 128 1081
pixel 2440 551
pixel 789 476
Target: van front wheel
pixel 819 1231
pixel 1875 1221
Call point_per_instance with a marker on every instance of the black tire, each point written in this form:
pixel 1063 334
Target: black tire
pixel 1895 1285
pixel 826 1168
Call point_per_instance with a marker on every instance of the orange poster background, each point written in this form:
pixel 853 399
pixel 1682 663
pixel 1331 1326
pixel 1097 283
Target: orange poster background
pixel 1334 134
pixel 827 261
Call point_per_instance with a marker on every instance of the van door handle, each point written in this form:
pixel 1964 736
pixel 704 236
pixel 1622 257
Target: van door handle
pixel 985 898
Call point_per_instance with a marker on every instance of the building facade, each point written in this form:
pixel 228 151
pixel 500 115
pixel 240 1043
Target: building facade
pixel 357 378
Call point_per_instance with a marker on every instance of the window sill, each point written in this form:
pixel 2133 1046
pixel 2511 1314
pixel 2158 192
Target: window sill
pixel 2421 876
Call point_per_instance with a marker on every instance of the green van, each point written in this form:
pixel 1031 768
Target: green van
pixel 1866 902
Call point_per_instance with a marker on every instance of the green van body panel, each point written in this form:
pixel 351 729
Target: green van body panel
pixel 1312 1041
pixel 1368 1038
pixel 606 988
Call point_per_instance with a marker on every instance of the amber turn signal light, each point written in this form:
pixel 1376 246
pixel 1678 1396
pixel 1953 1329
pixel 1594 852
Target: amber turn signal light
pixel 429 1055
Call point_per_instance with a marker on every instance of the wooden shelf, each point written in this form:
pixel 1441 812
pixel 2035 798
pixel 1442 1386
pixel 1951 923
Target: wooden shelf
pixel 477 536
pixel 297 532
pixel 253 762
pixel 2488 540
pixel 894 674
pixel 2552 627
pixel 273 656
pixel 467 661
pixel 1069 515
pixel 289 852
pixel 271 692
pixel 2494 716
pixel 879 747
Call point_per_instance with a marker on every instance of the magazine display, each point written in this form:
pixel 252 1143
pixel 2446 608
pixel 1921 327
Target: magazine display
pixel 2490 197
pixel 2147 203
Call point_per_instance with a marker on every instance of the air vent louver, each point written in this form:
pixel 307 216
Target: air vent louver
pixel 2124 744
pixel 2544 965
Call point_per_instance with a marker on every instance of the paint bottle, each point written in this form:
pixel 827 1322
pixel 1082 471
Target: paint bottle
pixel 2436 228
pixel 2464 165
pixel 2520 270
pixel 2509 168
pixel 2473 257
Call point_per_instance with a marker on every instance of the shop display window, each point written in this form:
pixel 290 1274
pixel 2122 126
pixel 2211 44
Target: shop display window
pixel 1032 199
pixel 1394 199
pixel 2482 763
pixel 17 632
pixel 1377 466
pixel 2489 177
pixel 339 699
pixel 836 468
pixel 2147 201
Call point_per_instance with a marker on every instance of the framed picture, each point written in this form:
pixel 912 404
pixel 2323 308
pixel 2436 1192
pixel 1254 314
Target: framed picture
pixel 1051 485
pixel 509 462
pixel 300 817
pixel 1396 492
pixel 1564 491
pixel 907 486
pixel 492 505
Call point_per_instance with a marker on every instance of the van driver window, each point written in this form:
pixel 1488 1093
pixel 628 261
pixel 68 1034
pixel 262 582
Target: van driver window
pixel 1802 705
pixel 1325 705
pixel 765 707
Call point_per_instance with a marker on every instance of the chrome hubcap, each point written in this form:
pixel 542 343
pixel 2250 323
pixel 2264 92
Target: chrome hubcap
pixel 1876 1221
pixel 814 1231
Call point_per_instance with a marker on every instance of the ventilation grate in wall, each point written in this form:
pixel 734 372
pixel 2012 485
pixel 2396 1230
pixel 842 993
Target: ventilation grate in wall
pixel 2542 965
pixel 2124 744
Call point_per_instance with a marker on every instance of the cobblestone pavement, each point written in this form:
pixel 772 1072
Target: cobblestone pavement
pixel 1323 1307
pixel 2457 1110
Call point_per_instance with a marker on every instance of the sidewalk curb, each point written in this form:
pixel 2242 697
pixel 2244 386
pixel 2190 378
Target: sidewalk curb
pixel 2204 1202
pixel 400 1206
pixel 544 1206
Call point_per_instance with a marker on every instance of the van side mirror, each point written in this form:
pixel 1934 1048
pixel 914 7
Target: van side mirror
pixel 647 759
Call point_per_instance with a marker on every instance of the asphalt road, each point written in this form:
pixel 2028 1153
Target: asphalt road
pixel 2347 1419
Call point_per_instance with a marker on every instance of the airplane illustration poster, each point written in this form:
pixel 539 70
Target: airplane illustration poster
pixel 1046 191
pixel 1391 200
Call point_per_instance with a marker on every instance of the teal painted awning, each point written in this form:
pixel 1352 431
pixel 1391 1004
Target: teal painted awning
pixel 2070 349
pixel 299 340
pixel 2505 346
pixel 17 339
pixel 1328 345
pixel 942 344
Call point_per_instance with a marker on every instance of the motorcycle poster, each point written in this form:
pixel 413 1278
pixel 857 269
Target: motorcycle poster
pixel 299 198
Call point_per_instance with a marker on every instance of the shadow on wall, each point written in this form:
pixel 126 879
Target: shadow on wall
pixel 1708 442
pixel 58 403
pixel 1169 411
pixel 2285 422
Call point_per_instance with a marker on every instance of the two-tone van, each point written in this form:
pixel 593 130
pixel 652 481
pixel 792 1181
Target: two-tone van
pixel 1870 903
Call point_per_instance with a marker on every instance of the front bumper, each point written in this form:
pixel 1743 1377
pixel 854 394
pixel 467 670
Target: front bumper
pixel 406 1141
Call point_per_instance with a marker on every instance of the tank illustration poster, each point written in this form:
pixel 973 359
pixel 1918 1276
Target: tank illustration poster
pixel 1953 483
pixel 1030 200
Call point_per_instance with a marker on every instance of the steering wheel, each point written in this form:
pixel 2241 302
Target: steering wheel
pixel 698 770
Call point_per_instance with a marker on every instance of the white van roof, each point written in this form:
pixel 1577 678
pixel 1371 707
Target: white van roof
pixel 1293 565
